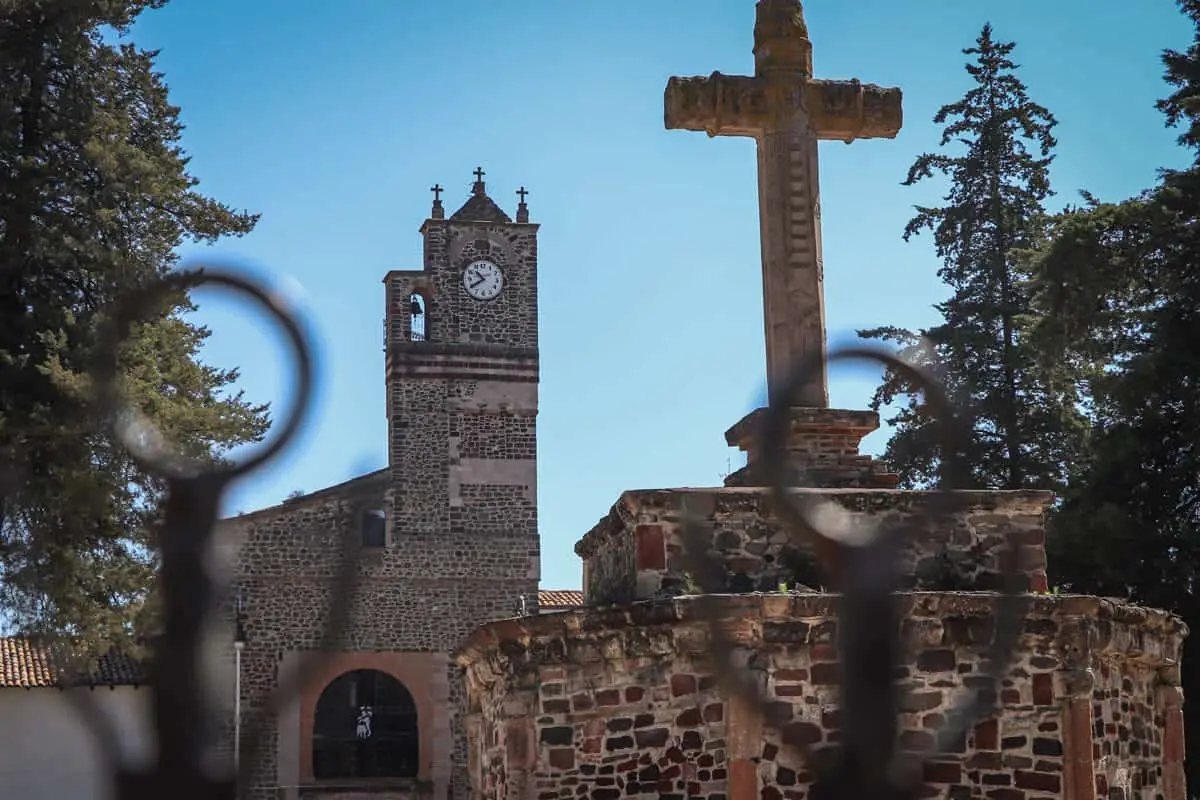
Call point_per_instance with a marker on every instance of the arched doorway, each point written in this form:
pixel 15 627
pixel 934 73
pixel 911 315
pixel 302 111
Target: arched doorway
pixel 365 726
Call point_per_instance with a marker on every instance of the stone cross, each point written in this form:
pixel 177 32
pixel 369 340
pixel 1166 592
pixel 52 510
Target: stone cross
pixel 787 112
pixel 522 209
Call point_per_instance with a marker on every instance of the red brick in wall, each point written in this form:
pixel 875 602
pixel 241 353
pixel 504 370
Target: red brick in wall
pixel 651 549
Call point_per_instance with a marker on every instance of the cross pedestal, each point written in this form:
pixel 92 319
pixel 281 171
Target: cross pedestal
pixel 822 443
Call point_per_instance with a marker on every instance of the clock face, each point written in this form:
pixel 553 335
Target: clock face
pixel 483 280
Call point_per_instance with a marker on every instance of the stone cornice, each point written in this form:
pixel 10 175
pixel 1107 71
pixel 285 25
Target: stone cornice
pixel 1075 626
pixel 432 222
pixel 404 273
pixel 757 499
pixel 453 350
pixel 862 422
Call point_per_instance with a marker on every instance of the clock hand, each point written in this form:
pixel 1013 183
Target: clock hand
pixel 476 283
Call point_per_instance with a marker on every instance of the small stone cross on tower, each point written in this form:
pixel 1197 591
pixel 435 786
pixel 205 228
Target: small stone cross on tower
pixel 522 207
pixel 438 211
pixel 787 112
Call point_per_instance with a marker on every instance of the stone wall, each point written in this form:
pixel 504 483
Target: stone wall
pixel 623 702
pixel 423 593
pixel 459 501
pixel 1130 706
pixel 635 552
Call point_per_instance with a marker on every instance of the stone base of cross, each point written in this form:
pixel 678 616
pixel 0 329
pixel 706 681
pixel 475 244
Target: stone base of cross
pixel 822 448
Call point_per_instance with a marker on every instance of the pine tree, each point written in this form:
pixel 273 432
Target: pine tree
pixel 1022 419
pixel 95 198
pixel 1120 290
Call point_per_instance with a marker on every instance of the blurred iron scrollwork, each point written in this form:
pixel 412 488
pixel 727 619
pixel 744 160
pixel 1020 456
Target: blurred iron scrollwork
pixel 184 721
pixel 866 766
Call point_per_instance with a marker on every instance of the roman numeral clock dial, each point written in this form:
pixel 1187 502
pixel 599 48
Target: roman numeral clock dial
pixel 483 280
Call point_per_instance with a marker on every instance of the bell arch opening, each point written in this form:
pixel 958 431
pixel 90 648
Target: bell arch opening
pixel 418 308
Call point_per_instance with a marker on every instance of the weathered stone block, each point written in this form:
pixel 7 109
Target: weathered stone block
pixel 672 725
pixel 755 549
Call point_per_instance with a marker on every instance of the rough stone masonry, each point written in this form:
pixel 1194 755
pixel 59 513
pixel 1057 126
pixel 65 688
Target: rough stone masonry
pixel 622 701
pixel 441 541
pixel 619 699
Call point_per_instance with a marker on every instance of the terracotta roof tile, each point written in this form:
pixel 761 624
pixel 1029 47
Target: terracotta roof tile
pixel 559 598
pixel 28 663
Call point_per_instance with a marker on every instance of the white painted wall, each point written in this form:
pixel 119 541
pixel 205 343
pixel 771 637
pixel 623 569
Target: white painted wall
pixel 47 751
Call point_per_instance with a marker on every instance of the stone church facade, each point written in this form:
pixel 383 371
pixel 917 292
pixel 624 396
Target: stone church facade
pixel 445 537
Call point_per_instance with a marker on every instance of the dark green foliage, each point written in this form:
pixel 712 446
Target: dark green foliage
pixel 1120 286
pixel 1120 293
pixel 997 146
pixel 95 198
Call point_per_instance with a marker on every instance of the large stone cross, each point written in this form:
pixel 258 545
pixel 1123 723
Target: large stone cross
pixel 787 111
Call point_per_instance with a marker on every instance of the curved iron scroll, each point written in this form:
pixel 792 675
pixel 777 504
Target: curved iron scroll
pixel 182 720
pixel 868 764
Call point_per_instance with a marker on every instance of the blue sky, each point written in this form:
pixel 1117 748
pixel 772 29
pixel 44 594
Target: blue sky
pixel 332 120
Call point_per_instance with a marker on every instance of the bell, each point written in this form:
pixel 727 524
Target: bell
pixel 415 307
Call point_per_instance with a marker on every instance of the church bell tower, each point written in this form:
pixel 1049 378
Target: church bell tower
pixel 462 394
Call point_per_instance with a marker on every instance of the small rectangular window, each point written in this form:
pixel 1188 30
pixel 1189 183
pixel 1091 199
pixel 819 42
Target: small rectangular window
pixel 374 528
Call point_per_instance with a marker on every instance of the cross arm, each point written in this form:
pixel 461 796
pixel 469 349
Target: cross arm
pixel 849 110
pixel 735 105
pixel 719 105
